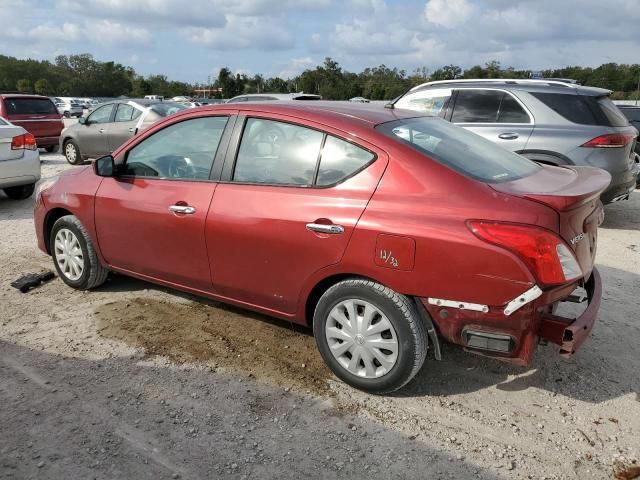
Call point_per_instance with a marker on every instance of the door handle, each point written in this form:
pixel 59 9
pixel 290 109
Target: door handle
pixel 131 129
pixel 101 130
pixel 323 228
pixel 185 209
pixel 508 136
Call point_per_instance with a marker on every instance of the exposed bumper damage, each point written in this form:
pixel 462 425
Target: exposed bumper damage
pixel 512 332
pixel 570 333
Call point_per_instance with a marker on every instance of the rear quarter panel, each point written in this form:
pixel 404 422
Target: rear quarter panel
pixel 428 203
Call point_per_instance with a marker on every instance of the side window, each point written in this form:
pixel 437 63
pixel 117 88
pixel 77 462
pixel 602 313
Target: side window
pixel 476 106
pixel 511 111
pixel 126 113
pixel 339 160
pixel 184 150
pixel 430 101
pixel 277 153
pixel 101 115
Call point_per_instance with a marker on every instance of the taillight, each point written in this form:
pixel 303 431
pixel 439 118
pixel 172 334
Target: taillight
pixel 24 142
pixel 611 140
pixel 546 254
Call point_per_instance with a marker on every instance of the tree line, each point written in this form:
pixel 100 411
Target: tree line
pixel 83 76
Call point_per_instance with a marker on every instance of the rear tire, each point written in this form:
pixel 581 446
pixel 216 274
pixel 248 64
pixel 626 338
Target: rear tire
pixel 371 337
pixel 72 152
pixel 74 256
pixel 20 193
pixel 52 148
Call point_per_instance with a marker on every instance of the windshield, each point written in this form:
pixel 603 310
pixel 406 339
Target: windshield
pixel 167 108
pixel 459 149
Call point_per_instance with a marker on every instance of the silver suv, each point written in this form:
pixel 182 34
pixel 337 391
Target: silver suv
pixel 548 121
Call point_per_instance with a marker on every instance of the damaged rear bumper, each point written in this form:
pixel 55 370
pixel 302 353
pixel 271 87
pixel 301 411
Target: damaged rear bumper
pixel 512 334
pixel 570 333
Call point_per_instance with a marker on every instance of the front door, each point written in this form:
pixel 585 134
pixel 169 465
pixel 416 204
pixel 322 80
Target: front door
pixel 286 208
pixel 493 114
pixel 150 218
pixel 93 135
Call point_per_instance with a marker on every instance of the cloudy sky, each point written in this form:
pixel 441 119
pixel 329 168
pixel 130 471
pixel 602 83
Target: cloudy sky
pixel 191 39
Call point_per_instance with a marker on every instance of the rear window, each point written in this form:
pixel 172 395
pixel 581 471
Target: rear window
pixel 614 115
pixel 584 109
pixel 28 106
pixel 167 108
pixel 466 152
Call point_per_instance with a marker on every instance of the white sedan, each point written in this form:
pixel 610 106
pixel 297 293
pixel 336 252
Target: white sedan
pixel 19 161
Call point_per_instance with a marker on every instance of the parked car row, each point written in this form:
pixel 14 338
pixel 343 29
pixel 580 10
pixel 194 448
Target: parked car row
pixel 386 231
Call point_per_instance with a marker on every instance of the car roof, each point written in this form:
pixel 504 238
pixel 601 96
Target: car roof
pixel 143 102
pixel 279 96
pixel 366 115
pixel 22 95
pixel 527 85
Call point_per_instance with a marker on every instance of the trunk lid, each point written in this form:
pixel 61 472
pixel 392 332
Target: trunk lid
pixel 574 193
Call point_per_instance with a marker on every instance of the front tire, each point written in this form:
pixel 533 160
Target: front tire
pixel 72 152
pixel 21 192
pixel 371 337
pixel 74 256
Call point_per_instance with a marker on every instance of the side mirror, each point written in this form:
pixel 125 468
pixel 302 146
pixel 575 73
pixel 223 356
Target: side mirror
pixel 82 121
pixel 104 166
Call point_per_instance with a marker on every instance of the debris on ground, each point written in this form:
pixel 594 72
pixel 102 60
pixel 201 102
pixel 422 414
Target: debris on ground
pixel 32 280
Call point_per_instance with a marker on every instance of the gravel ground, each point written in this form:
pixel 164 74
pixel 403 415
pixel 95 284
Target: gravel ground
pixel 136 381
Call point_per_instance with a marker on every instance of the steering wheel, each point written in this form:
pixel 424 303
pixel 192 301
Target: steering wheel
pixel 180 167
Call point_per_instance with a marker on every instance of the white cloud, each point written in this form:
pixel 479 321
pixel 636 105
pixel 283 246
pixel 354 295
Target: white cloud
pixel 295 67
pixel 448 13
pixel 241 32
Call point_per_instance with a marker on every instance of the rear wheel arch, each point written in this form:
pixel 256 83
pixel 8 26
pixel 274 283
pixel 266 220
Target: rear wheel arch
pixel 546 157
pixel 321 287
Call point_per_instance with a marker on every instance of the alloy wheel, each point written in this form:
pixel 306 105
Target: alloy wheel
pixel 68 254
pixel 70 152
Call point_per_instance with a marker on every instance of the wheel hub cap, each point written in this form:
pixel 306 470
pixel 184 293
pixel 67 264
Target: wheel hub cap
pixel 361 338
pixel 68 254
pixel 71 152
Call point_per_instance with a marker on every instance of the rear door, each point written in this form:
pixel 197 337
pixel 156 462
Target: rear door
pixel 493 114
pixel 93 136
pixel 123 126
pixel 290 197
pixel 39 116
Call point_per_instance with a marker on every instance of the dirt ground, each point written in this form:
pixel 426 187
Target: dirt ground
pixel 136 381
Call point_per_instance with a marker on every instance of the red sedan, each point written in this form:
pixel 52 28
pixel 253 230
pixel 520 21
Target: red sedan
pixel 385 231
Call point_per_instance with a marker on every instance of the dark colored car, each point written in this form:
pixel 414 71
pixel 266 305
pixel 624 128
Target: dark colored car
pixel 632 112
pixel 110 125
pixel 38 115
pixel 385 231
